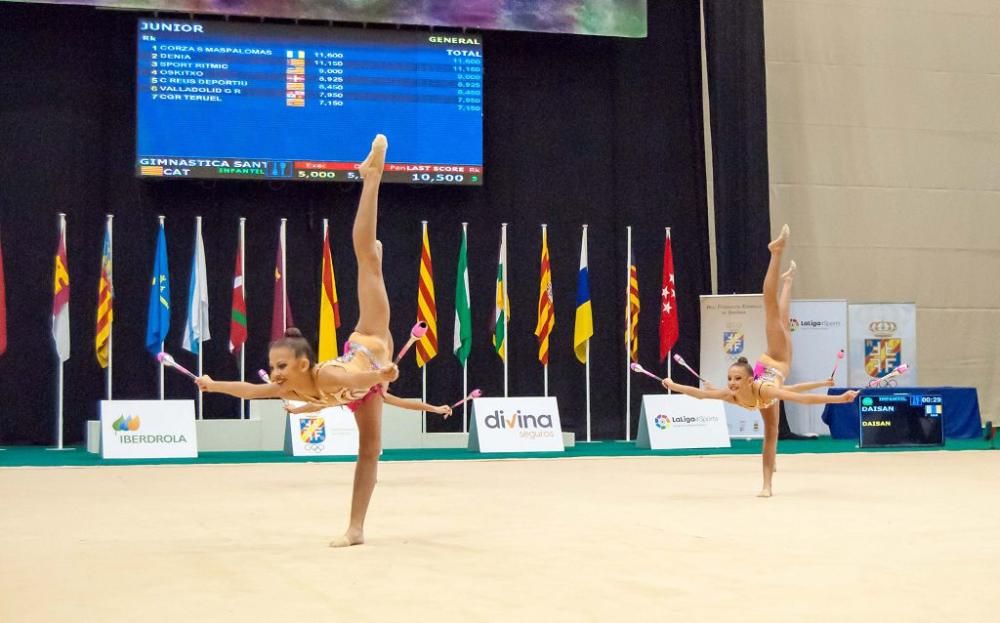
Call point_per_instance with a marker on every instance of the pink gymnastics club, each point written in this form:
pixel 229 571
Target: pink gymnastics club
pixel 476 393
pixel 899 370
pixel 840 355
pixel 637 368
pixel 168 361
pixel 418 331
pixel 681 361
pixel 264 376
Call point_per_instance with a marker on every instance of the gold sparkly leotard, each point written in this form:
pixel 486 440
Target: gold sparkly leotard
pixel 362 353
pixel 768 371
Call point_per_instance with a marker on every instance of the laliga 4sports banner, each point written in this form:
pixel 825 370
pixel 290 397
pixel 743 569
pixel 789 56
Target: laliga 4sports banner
pixel 883 337
pixel 525 424
pixel 819 332
pixel 731 327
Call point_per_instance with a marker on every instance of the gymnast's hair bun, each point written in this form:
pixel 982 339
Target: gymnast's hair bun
pixel 292 332
pixel 743 360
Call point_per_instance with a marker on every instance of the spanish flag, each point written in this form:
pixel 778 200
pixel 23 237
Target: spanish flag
pixel 584 328
pixel 427 347
pixel 329 304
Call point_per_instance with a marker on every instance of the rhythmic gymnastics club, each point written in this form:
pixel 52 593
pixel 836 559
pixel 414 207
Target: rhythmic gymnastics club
pixel 899 370
pixel 476 393
pixel 264 376
pixel 168 361
pixel 681 361
pixel 635 367
pixel 418 331
pixel 840 355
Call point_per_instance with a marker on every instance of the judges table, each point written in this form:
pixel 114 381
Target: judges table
pixel 961 411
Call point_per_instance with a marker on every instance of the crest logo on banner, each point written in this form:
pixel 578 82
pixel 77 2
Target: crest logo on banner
pixel 883 353
pixel 732 342
pixel 312 430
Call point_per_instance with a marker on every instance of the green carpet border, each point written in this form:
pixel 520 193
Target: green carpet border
pixel 77 456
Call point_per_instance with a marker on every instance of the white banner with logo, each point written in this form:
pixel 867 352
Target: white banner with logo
pixel 883 336
pixel 524 424
pixel 819 332
pixel 332 431
pixel 669 422
pixel 731 327
pixel 148 429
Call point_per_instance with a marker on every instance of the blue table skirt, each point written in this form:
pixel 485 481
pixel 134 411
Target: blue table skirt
pixel 961 411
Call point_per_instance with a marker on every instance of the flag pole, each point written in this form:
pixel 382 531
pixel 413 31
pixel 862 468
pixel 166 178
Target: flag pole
pixel 201 317
pixel 423 368
pixel 59 380
pixel 587 346
pixel 243 347
pixel 111 325
pixel 506 308
pixel 284 280
pixel 162 225
pixel 670 356
pixel 465 364
pixel 628 334
pixel 545 367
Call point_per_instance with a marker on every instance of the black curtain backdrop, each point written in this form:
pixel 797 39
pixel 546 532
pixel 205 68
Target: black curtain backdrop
pixel 578 130
pixel 734 41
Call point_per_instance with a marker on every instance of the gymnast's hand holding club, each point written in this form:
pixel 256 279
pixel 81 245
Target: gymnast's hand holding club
pixel 767 392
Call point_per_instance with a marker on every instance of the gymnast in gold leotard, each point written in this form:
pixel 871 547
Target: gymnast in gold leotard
pixel 762 386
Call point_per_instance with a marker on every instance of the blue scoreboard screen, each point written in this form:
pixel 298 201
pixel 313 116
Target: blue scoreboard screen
pixel 274 102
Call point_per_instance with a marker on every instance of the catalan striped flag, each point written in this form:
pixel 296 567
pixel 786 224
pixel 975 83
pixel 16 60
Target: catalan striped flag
pixel 105 297
pixel 546 303
pixel 427 347
pixel 583 330
pixel 329 304
pixel 632 319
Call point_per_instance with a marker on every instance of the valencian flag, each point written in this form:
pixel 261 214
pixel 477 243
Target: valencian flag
pixel 329 303
pixel 105 296
pixel 501 308
pixel 3 307
pixel 158 318
pixel 462 344
pixel 584 328
pixel 238 315
pixel 281 311
pixel 669 330
pixel 60 295
pixel 427 347
pixel 632 321
pixel 546 303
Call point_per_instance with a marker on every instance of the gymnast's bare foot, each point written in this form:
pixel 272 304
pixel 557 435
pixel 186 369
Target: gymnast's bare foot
pixel 375 162
pixel 789 274
pixel 778 244
pixel 350 538
pixel 765 492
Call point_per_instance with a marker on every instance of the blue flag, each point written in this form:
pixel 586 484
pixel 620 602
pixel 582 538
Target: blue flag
pixel 158 320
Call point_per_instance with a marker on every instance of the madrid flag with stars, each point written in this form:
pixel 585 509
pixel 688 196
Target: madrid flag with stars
pixel 668 302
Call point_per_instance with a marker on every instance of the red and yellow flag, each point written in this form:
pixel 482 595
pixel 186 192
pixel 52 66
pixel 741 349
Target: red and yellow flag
pixel 105 296
pixel 546 304
pixel 60 295
pixel 329 304
pixel 632 317
pixel 427 347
